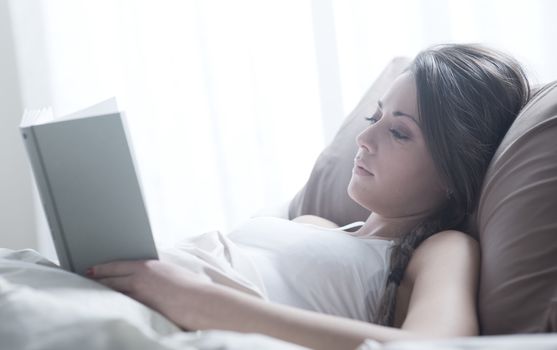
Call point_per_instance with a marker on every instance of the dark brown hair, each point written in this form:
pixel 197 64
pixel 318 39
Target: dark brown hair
pixel 468 97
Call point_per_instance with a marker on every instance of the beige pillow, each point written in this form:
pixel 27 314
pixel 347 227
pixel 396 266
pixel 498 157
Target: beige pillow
pixel 517 224
pixel 325 193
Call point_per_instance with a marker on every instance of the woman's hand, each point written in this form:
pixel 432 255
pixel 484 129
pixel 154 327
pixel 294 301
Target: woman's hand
pixel 170 289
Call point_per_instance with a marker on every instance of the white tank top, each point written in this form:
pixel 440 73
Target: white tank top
pixel 320 269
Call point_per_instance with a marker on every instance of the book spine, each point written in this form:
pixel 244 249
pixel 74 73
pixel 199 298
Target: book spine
pixel 47 199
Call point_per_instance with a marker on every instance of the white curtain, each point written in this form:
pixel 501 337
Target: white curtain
pixel 230 102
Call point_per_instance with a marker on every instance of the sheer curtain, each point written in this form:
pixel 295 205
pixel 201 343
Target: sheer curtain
pixel 230 102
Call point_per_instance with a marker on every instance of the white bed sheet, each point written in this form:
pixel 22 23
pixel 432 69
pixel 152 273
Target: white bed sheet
pixel 500 342
pixel 45 307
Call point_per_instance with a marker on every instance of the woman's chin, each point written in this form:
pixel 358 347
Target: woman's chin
pixel 354 192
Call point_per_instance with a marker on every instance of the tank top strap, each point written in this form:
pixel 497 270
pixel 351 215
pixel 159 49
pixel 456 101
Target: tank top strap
pixel 345 227
pixel 349 226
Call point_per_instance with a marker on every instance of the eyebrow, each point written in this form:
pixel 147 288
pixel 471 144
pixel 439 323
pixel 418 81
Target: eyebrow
pixel 399 113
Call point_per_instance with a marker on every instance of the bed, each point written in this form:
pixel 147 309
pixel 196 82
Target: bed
pixel 45 307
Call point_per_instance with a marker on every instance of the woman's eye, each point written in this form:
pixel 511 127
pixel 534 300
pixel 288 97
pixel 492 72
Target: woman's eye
pixel 397 135
pixel 373 118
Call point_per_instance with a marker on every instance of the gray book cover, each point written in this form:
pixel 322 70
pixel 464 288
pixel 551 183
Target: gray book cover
pixel 84 168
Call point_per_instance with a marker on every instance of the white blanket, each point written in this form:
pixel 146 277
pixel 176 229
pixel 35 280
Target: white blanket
pixel 496 342
pixel 45 307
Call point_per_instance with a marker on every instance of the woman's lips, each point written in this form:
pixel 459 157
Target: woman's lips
pixel 361 171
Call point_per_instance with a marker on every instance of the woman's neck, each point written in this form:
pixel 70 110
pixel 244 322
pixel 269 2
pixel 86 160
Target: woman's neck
pixel 389 228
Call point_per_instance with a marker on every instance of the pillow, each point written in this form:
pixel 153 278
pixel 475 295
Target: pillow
pixel 325 193
pixel 517 224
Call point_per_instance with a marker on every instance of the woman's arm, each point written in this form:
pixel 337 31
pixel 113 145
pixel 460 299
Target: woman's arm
pixel 442 302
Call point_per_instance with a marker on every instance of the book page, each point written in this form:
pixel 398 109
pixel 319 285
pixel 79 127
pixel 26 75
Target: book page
pixel 108 106
pixel 36 116
pixel 46 115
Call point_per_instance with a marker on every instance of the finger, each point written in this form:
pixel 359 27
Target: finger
pixel 114 269
pixel 121 284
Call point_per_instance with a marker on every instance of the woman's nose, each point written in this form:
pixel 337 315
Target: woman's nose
pixel 366 139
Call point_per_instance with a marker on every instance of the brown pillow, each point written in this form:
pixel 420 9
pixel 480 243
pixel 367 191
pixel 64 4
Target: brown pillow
pixel 325 193
pixel 517 224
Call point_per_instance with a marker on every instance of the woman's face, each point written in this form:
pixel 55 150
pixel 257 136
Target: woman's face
pixel 401 178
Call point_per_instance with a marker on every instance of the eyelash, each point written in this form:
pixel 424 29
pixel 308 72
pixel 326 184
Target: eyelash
pixel 395 133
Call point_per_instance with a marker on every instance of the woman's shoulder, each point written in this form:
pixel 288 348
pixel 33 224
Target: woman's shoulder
pixel 448 239
pixel 445 248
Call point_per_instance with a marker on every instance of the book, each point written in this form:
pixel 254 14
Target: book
pixel 86 175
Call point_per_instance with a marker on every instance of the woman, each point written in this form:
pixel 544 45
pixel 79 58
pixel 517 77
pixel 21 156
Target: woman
pixel 419 170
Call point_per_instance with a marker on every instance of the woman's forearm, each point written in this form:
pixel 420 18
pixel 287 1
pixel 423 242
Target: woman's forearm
pixel 228 309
